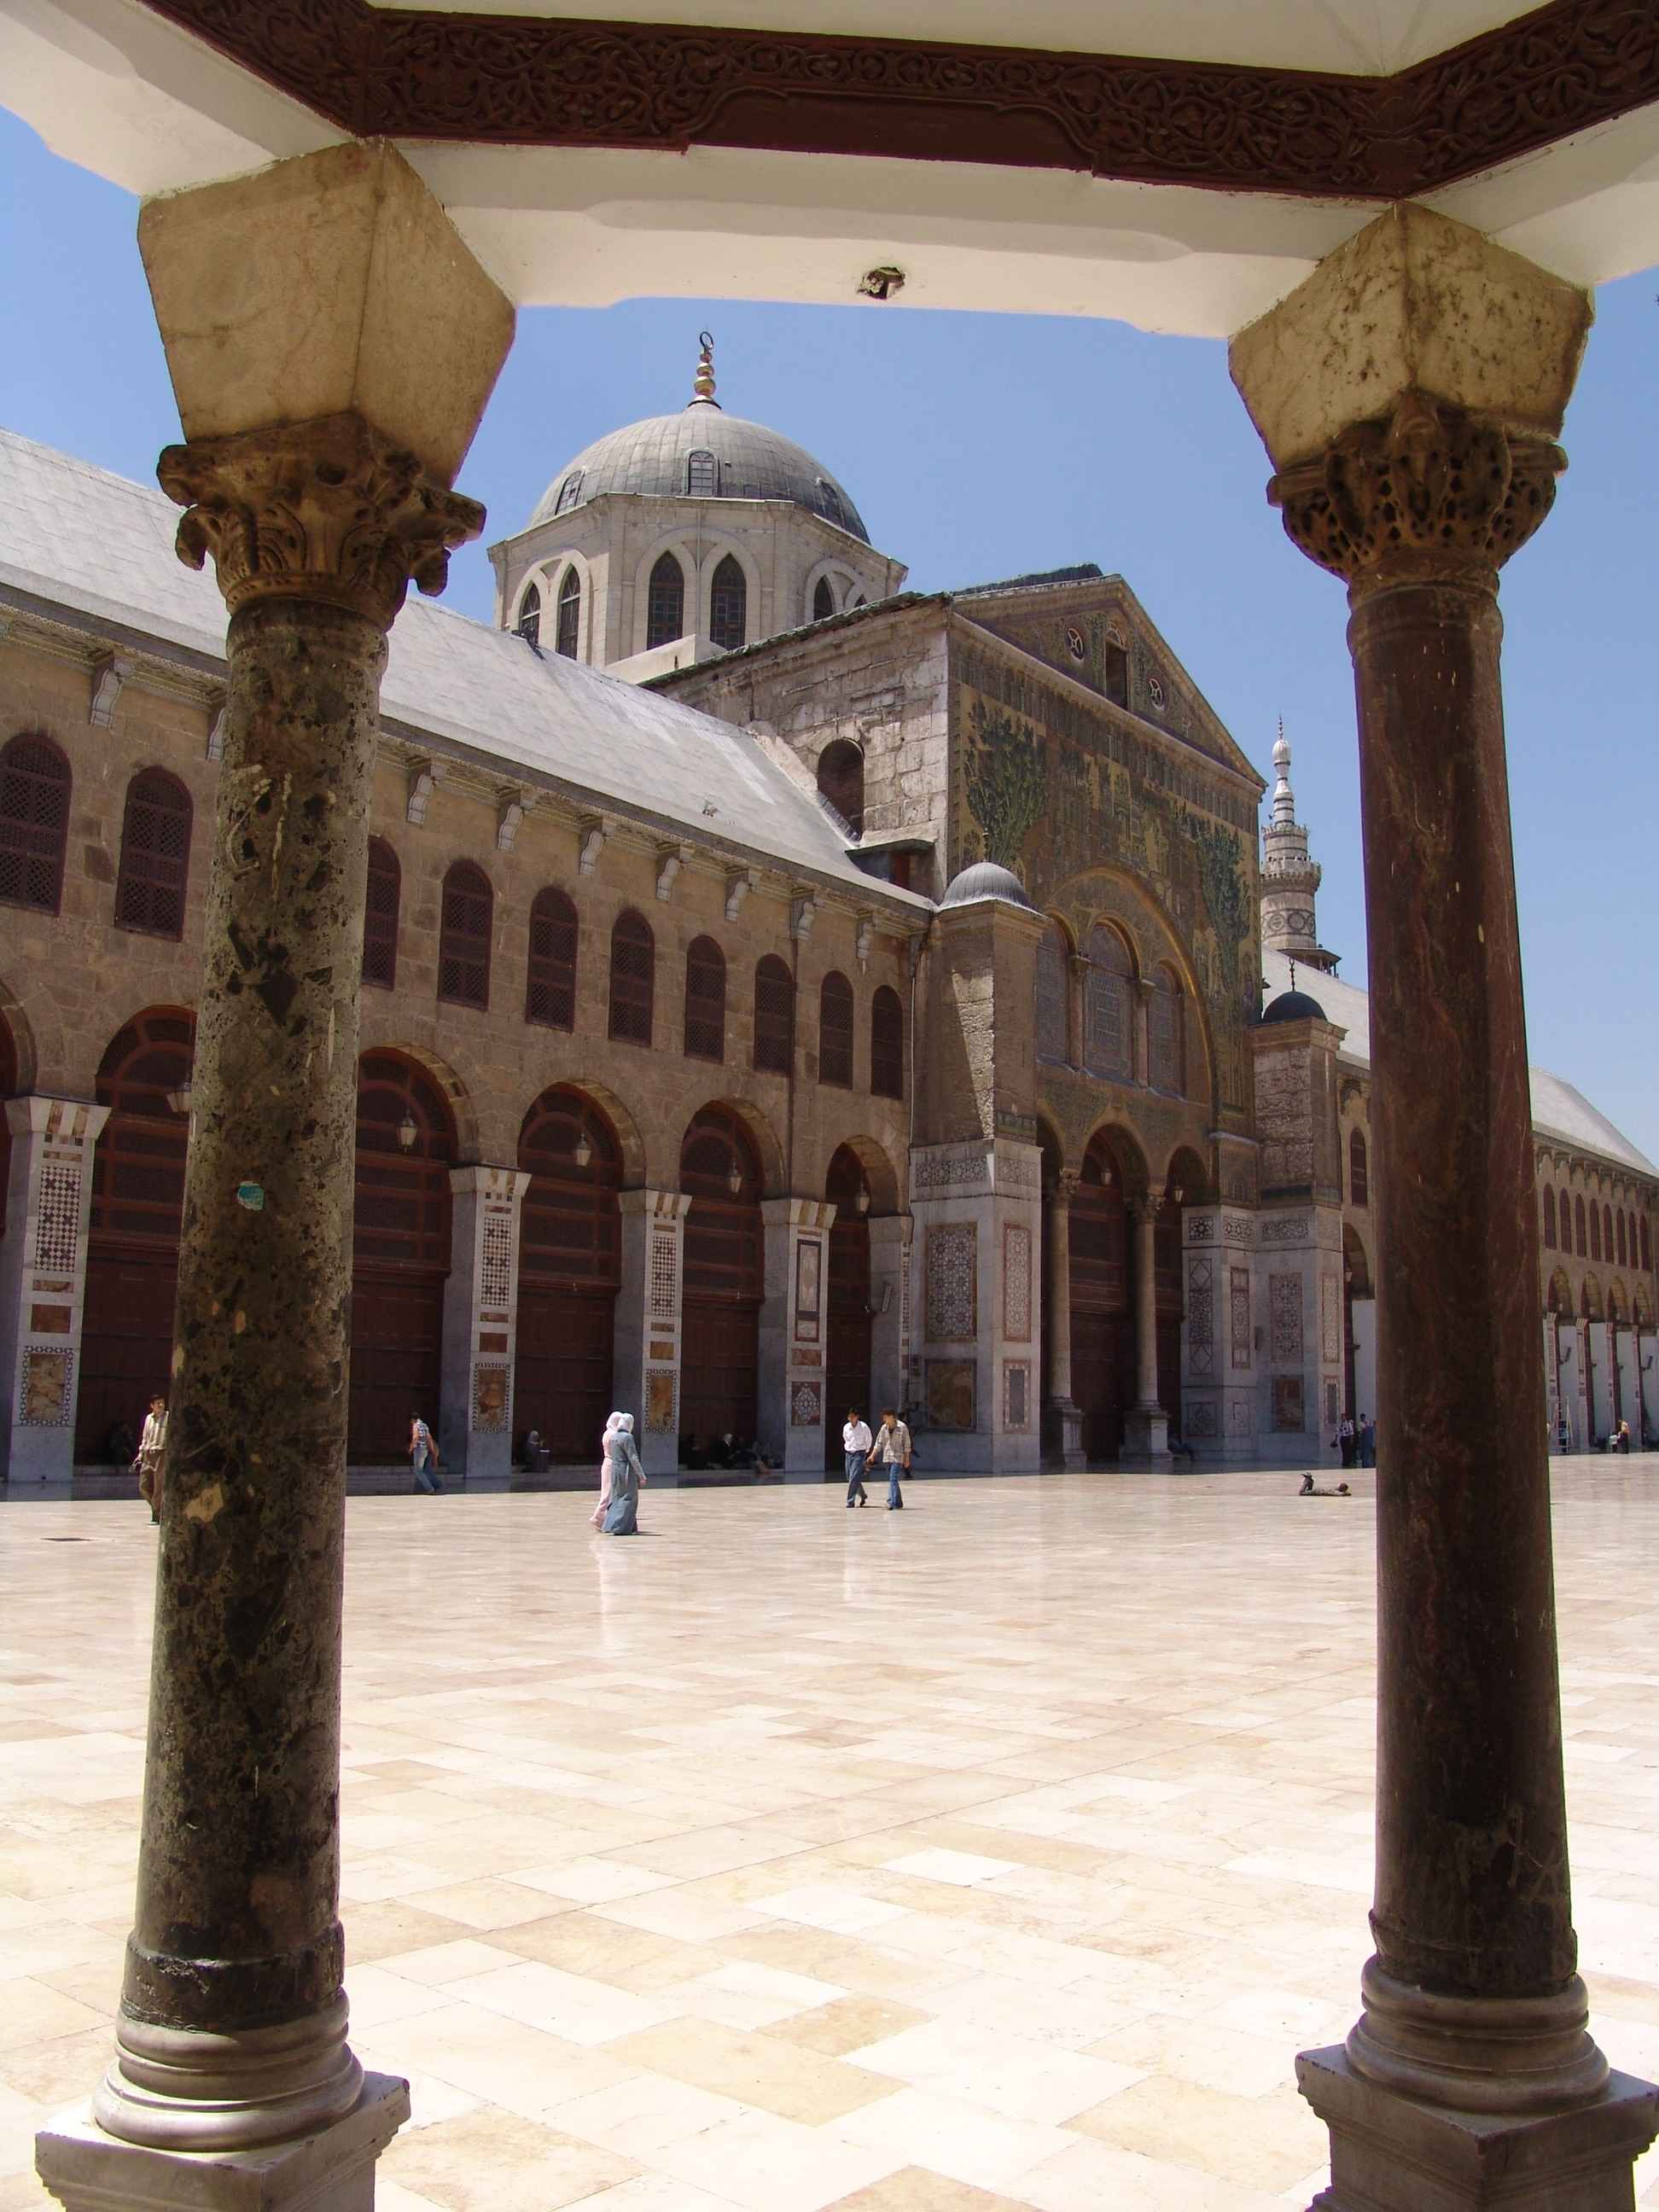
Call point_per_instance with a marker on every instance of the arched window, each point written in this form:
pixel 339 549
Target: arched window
pixel 1115 673
pixel 35 801
pixel 665 608
pixel 886 1044
pixel 1053 996
pixel 1647 1249
pixel 1166 1035
pixel 380 902
pixel 569 492
pixel 570 613
pixel 728 604
pixel 463 935
pixel 633 978
pixel 774 1016
pixel 701 475
pixel 1595 1230
pixel 824 600
pixel 1109 1030
pixel 835 1029
pixel 1623 1240
pixel 1360 1181
pixel 529 624
pixel 705 1000
pixel 840 781
pixel 149 893
pixel 1549 1218
pixel 1607 1232
pixel 550 991
pixel 1578 1223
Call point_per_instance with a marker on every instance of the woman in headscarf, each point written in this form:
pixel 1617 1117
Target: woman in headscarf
pixel 626 1476
pixel 598 1515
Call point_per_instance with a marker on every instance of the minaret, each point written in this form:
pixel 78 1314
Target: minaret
pixel 1289 880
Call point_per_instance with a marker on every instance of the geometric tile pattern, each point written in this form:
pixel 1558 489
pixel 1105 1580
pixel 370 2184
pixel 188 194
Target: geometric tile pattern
pixel 953 1283
pixel 57 1217
pixel 1285 1303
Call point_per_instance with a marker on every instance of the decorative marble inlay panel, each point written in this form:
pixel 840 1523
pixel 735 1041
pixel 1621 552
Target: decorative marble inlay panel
pixel 1200 1417
pixel 1333 1405
pixel 1238 1418
pixel 490 1395
pixel 57 1216
pixel 1017 1282
pixel 1236 1228
pixel 949 1171
pixel 1201 1228
pixel 1239 1299
pixel 1330 1320
pixel 1015 1394
pixel 1200 1302
pixel 664 1276
pixel 952 1306
pixel 1285 1303
pixel 1289 1230
pixel 44 1394
pixel 659 1401
pixel 1287 1404
pixel 496 1257
pixel 806 1405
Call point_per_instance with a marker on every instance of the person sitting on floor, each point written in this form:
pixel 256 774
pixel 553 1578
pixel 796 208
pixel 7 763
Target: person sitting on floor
pixel 1311 1489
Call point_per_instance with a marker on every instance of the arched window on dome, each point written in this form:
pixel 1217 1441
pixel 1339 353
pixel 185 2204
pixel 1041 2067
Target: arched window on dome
pixel 728 605
pixel 664 611
pixel 570 613
pixel 824 600
pixel 569 492
pixel 529 624
pixel 701 475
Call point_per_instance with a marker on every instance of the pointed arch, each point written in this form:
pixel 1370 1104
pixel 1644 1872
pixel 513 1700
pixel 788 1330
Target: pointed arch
pixel 568 637
pixel 528 621
pixel 1549 1218
pixel 664 610
pixel 728 604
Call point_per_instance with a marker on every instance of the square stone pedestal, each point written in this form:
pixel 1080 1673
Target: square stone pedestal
pixel 88 2171
pixel 1063 1435
pixel 1147 1439
pixel 1390 2153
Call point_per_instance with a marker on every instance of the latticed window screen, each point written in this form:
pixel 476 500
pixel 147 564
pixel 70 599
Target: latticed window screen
pixel 1578 1223
pixel 700 476
pixel 149 895
pixel 887 1044
pixel 381 915
pixel 1647 1249
pixel 1359 1187
pixel 664 609
pixel 464 937
pixel 835 1029
pixel 1054 991
pixel 34 797
pixel 1607 1232
pixel 1549 1220
pixel 705 1000
pixel 569 1228
pixel 728 604
pixel 1166 1035
pixel 824 600
pixel 1595 1232
pixel 1623 1240
pixel 529 616
pixel 570 613
pixel 550 992
pixel 1110 1032
pixel 840 781
pixel 774 1016
pixel 569 492
pixel 633 978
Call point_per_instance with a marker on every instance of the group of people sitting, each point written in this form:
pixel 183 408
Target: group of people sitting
pixel 740 1454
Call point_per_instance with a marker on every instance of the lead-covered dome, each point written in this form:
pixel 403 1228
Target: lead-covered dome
pixel 702 453
pixel 984 879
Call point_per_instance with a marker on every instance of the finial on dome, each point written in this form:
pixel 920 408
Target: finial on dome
pixel 1281 749
pixel 702 384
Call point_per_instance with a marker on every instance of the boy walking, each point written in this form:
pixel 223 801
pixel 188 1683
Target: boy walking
pixel 423 1456
pixel 893 1451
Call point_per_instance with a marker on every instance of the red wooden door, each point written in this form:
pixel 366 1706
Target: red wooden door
pixel 397 1358
pixel 563 1380
pixel 719 1341
pixel 719 1368
pixel 126 1346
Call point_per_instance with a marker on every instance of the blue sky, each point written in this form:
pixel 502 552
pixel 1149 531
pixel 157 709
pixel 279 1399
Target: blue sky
pixel 979 446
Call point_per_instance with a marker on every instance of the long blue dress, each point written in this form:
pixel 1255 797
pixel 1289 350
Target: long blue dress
pixel 626 1476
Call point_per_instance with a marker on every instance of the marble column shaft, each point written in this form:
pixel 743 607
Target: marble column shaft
pixel 1143 1213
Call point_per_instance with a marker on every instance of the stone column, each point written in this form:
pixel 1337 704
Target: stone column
pixel 331 344
pixel 647 1362
pixel 43 1280
pixel 480 1329
pixel 1145 1423
pixel 1062 1417
pixel 1219 1355
pixel 793 1326
pixel 1409 394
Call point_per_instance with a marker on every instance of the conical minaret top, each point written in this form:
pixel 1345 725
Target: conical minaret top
pixel 1290 878
pixel 702 384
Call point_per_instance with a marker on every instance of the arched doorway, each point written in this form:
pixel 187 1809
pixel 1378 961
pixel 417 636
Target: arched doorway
pixel 400 1255
pixel 846 1351
pixel 569 1269
pixel 719 1336
pixel 137 1201
pixel 1102 1317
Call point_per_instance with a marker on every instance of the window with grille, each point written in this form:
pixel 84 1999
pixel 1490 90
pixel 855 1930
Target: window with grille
pixel 402 1204
pixel 380 902
pixel 840 781
pixel 1579 1238
pixel 700 476
pixel 1607 1232
pixel 705 1000
pixel 550 991
pixel 1166 1035
pixel 728 604
pixel 150 892
pixel 723 1233
pixel 570 613
pixel 835 1029
pixel 633 978
pixel 1108 1028
pixel 569 492
pixel 886 1044
pixel 464 937
pixel 1549 1220
pixel 1359 1188
pixel 1595 1232
pixel 774 1016
pixel 570 1229
pixel 1624 1241
pixel 1647 1250
pixel 35 800
pixel 824 600
pixel 664 610
pixel 1053 994
pixel 530 617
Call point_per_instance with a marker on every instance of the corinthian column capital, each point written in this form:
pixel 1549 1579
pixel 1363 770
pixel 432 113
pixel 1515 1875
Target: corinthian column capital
pixel 330 509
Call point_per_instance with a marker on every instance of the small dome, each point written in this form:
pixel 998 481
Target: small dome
pixel 985 880
pixel 1294 1006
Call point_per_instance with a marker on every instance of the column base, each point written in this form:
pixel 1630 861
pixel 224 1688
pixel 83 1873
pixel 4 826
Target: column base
pixel 1062 1435
pixel 1147 1439
pixel 331 2171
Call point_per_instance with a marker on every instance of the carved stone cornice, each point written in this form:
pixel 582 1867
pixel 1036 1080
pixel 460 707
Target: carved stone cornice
pixel 328 509
pixel 1430 494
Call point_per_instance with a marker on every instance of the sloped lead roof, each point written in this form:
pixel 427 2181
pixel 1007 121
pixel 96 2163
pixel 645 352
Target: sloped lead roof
pixel 1558 1110
pixel 75 537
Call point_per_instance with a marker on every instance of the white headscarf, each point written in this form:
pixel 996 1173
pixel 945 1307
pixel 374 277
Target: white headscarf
pixel 625 1423
pixel 613 1422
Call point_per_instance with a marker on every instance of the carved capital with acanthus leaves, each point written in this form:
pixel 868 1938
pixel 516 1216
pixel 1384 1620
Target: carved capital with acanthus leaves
pixel 329 510
pixel 1431 493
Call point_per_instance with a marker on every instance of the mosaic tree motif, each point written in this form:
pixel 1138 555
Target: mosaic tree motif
pixel 1007 784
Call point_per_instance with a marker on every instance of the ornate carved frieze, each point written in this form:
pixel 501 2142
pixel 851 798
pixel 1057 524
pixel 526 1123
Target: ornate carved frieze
pixel 327 510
